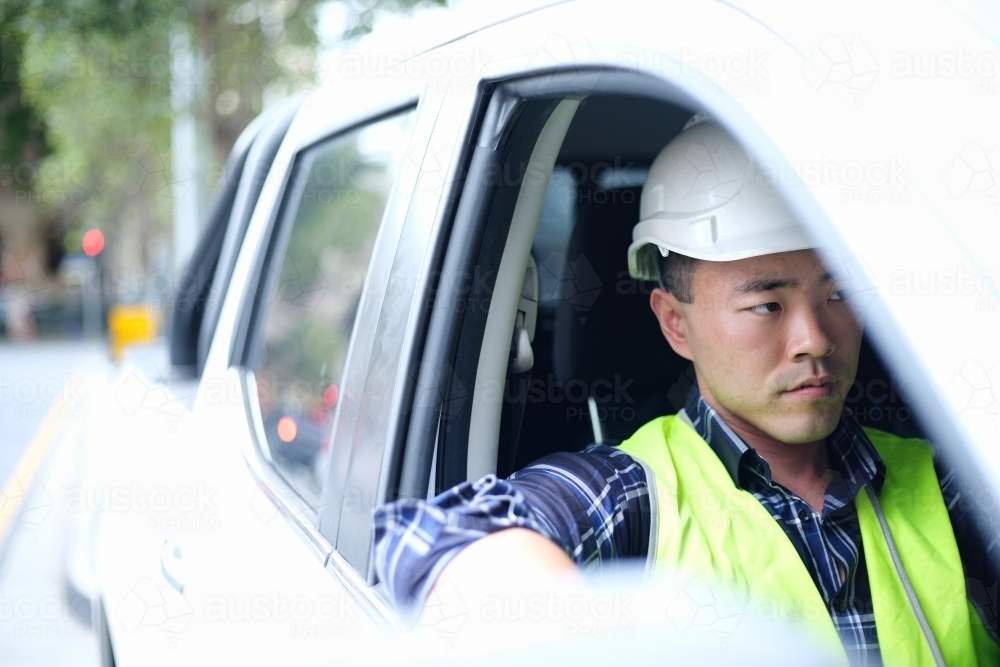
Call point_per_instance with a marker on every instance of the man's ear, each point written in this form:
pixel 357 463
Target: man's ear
pixel 669 312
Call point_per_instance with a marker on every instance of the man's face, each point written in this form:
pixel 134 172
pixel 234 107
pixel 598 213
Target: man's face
pixel 773 342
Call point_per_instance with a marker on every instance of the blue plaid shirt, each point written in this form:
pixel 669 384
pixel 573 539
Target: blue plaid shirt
pixel 595 505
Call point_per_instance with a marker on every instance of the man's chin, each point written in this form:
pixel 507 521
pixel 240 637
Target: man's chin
pixel 799 433
pixel 802 429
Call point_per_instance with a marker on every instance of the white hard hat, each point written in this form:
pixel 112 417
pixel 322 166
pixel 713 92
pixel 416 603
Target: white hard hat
pixel 706 199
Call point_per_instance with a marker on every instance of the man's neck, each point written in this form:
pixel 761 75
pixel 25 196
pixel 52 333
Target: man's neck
pixel 803 468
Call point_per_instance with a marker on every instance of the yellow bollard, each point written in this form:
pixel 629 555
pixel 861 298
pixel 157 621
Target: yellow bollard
pixel 129 324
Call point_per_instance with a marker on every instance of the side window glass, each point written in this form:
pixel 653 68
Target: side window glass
pixel 312 289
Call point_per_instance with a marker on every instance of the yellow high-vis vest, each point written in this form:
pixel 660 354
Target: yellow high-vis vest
pixel 704 527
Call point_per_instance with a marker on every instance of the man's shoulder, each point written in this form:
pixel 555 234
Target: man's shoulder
pixel 649 438
pixel 600 463
pixel 890 444
pixel 593 455
pixel 595 462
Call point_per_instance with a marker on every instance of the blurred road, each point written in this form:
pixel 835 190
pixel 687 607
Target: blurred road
pixel 42 388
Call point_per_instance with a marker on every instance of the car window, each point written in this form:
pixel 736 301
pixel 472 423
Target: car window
pixel 313 283
pixel 188 309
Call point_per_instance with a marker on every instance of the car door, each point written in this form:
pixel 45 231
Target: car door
pixel 132 491
pixel 249 583
pixel 306 303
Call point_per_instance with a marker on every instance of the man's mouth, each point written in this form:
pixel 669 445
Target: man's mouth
pixel 813 388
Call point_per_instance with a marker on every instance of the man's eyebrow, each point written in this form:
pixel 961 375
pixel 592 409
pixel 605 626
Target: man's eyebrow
pixel 767 284
pixel 764 285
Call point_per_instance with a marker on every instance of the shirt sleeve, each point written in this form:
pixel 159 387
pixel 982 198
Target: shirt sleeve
pixel 980 560
pixel 593 504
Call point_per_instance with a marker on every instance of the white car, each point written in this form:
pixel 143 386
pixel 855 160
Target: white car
pixel 404 251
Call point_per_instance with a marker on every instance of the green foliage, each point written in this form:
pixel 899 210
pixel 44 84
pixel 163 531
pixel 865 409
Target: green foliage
pixel 364 13
pixel 21 125
pixel 107 102
pixel 86 85
pixel 106 17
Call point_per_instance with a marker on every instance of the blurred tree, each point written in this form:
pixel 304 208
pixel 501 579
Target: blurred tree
pixel 85 92
pixel 22 129
pixel 107 103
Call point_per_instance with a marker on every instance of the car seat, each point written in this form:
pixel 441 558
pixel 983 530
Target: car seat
pixel 611 370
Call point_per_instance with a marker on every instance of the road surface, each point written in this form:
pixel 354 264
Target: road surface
pixel 42 387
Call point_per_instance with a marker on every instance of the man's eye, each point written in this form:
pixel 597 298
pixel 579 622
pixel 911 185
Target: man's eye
pixel 765 308
pixel 839 295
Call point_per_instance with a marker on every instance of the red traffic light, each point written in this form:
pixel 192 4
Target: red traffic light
pixel 93 242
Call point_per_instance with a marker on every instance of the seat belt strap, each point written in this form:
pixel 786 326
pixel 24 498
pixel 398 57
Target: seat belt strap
pixel 897 563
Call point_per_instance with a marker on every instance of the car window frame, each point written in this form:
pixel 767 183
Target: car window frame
pixel 260 158
pixel 372 412
pixel 501 98
pixel 486 115
pixel 198 278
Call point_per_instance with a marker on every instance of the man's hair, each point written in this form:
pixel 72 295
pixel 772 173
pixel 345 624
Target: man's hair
pixel 677 274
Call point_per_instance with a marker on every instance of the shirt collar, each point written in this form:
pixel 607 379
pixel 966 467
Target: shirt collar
pixel 853 458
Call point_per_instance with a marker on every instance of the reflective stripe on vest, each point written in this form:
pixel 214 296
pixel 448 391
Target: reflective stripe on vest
pixel 704 527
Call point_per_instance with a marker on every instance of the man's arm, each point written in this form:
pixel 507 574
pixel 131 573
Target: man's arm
pixel 508 560
pixel 590 506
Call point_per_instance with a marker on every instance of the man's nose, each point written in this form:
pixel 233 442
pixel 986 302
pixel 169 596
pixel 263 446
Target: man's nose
pixel 808 336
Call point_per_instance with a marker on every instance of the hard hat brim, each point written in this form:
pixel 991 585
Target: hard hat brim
pixel 760 244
